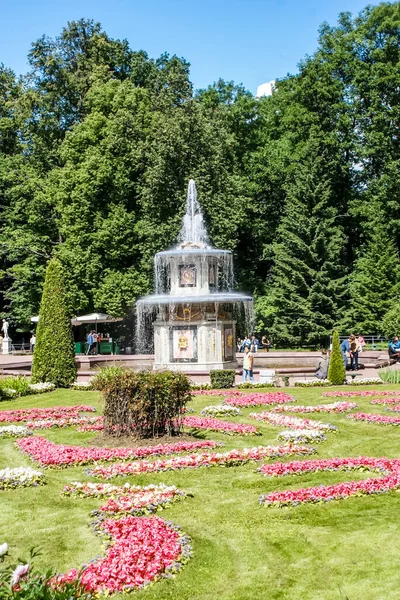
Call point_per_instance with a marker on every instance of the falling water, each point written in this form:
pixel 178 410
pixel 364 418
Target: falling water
pixel 193 248
pixel 193 227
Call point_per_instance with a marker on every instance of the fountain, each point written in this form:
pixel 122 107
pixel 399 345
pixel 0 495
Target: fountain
pixel 194 309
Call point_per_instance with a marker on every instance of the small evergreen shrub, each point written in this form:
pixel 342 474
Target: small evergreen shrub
pixel 337 372
pixel 105 376
pixel 54 358
pixel 221 379
pixel 148 403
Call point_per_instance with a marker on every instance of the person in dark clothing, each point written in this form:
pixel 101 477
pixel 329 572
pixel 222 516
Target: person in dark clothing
pixel 394 348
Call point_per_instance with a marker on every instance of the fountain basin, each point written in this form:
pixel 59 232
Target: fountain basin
pixel 218 297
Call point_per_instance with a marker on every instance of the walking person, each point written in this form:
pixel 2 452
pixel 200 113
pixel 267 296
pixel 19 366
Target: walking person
pixel 89 341
pixel 248 360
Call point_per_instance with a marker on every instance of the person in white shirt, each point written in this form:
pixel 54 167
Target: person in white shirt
pixel 32 342
pixel 248 360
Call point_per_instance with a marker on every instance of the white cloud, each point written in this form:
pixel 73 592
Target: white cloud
pixel 265 89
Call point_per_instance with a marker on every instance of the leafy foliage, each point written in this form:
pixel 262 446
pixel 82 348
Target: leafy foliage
pixel 54 358
pixel 148 403
pixel 222 378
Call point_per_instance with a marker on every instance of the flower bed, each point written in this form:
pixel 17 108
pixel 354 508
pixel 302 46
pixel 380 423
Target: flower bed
pixel 143 550
pixel 126 498
pixel 49 454
pixel 41 388
pixel 91 427
pixel 226 427
pixel 302 436
pixel 326 493
pixel 313 383
pixel 389 469
pixel 386 401
pixel 81 385
pixel 15 431
pixel 364 393
pixel 367 381
pixel 220 410
pixel 334 407
pixel 194 461
pixel 65 422
pixel 373 418
pixel 394 408
pixel 226 392
pixel 20 477
pixel 259 399
pixel 292 422
pixel 35 414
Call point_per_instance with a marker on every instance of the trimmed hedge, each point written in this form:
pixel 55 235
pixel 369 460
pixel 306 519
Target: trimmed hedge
pixel 54 358
pixel 148 403
pixel 222 378
pixel 337 372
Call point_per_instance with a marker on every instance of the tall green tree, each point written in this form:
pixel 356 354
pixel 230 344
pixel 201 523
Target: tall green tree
pixel 307 286
pixel 54 359
pixel 375 282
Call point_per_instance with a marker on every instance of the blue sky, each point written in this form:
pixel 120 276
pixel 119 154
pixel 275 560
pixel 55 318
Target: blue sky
pixel 249 41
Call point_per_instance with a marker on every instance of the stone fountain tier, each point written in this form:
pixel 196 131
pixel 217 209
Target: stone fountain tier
pixel 194 309
pixel 216 298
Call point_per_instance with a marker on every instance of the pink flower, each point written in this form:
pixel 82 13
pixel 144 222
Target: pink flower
pixel 389 470
pixel 143 549
pixel 49 454
pixel 19 572
pixel 291 422
pixel 217 425
pixel 365 393
pixel 259 399
pixel 374 418
pixel 34 414
pixel 335 407
pixel 195 461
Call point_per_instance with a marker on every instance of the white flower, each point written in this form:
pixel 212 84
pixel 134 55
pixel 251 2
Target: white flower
pixel 19 572
pixel 220 410
pixel 38 388
pixel 302 435
pixel 15 430
pixel 3 549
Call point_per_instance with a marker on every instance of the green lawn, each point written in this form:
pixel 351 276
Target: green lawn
pixel 242 551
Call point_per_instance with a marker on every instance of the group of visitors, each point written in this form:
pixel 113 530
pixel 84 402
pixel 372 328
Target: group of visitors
pixel 252 343
pixel 351 348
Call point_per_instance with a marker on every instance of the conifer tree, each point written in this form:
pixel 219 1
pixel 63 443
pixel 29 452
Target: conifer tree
pixel 375 282
pixel 337 371
pixel 308 279
pixel 54 359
